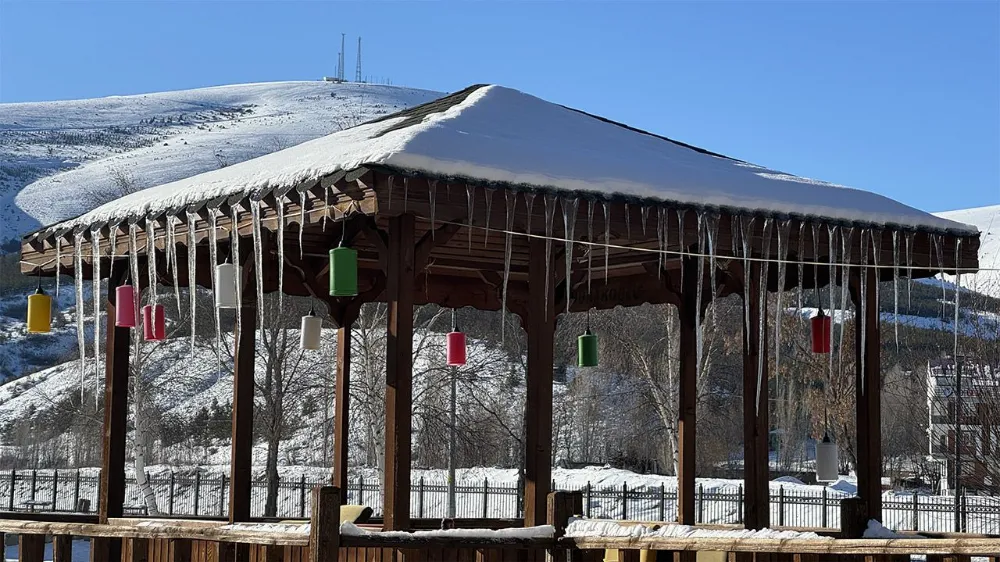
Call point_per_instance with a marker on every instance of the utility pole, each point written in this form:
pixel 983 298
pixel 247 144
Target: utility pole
pixel 958 443
pixel 340 74
pixel 451 445
pixel 357 68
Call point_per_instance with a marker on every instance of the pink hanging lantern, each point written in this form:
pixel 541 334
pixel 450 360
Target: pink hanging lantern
pixel 455 343
pixel 125 314
pixel 153 322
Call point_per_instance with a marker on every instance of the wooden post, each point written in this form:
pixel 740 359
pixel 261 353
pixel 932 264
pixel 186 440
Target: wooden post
pixel 853 518
pixel 324 528
pixel 62 548
pixel 180 550
pixel 688 395
pixel 112 481
pixel 399 373
pixel 540 327
pixel 241 458
pixel 560 506
pixel 342 405
pixel 756 503
pixel 30 548
pixel 138 550
pixel 868 385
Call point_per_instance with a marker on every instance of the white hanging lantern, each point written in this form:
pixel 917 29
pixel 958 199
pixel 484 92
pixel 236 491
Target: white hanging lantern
pixel 312 330
pixel 226 278
pixel 827 463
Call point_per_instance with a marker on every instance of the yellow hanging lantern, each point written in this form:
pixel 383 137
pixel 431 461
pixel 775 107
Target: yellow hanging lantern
pixel 39 312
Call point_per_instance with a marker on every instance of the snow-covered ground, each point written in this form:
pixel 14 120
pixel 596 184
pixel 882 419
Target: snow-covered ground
pixel 987 219
pixel 56 155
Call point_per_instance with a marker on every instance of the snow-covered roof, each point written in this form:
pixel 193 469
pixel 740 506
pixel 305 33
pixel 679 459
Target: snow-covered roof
pixel 498 135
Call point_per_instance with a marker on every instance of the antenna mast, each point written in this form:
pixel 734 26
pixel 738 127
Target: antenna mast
pixel 357 69
pixel 340 64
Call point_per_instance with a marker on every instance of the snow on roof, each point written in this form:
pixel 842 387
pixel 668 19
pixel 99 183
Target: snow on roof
pixel 499 135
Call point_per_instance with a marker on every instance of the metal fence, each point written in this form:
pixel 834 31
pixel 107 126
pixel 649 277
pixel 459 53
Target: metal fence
pixel 204 496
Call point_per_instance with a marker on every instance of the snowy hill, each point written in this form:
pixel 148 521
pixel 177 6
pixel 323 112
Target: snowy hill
pixel 58 159
pixel 987 219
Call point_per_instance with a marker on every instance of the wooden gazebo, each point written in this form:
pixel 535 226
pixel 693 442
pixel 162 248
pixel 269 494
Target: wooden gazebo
pixel 489 197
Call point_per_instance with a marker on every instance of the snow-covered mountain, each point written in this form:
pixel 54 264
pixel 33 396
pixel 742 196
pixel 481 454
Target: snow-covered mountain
pixel 987 219
pixel 58 159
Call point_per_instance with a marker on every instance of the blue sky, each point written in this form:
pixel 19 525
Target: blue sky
pixel 902 98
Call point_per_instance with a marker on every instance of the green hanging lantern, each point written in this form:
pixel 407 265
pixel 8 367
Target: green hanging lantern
pixel 586 347
pixel 343 272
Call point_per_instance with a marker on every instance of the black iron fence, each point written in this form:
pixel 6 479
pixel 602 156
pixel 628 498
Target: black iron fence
pixel 201 495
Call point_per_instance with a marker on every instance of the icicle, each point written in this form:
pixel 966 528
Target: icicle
pixel 876 240
pixel 391 181
pixel 590 239
pixel 895 286
pixel 511 199
pixel 406 192
pixel 213 258
pixel 326 211
pixel 762 303
pixel 470 197
pixel 258 259
pixel 172 258
pixel 489 213
pixel 958 289
pixel 681 245
pixel 550 211
pixel 801 252
pixel 81 339
pixel 280 234
pixel 432 187
pixel 95 257
pixel 831 237
pixel 59 264
pixel 133 263
pixel 699 342
pixel 529 202
pixel 909 268
pixel 846 242
pixel 607 238
pixel 151 259
pixel 815 238
pixel 569 223
pixel 939 252
pixel 192 249
pixel 783 232
pixel 302 222
pixel 644 216
pixel 712 233
pixel 234 252
pixel 660 246
pixel 863 300
pixel 746 230
pixel 628 224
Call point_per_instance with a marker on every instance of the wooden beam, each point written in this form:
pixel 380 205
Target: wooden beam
pixel 688 395
pixel 30 548
pixel 240 467
pixel 324 528
pixel 868 385
pixel 62 548
pixel 342 405
pixel 756 501
pixel 112 485
pixel 399 373
pixel 540 327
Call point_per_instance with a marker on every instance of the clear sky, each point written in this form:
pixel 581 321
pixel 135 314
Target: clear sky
pixel 902 98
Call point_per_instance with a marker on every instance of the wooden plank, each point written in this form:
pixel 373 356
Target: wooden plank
pixel 62 548
pixel 756 502
pixel 180 550
pixel 324 528
pixel 241 458
pixel 540 327
pixel 688 395
pixel 112 478
pixel 30 548
pixel 868 382
pixel 342 405
pixel 399 374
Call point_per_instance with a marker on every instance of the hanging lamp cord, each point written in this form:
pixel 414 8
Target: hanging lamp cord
pixel 454 320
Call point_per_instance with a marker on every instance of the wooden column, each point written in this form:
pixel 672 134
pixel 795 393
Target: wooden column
pixel 756 422
pixel 342 407
pixel 112 484
pixel 241 458
pixel 688 394
pixel 868 385
pixel 399 373
pixel 540 327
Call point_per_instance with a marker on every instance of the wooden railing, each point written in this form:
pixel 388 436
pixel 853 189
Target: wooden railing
pixel 170 540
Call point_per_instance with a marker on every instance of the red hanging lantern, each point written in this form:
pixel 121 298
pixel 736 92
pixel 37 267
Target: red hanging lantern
pixel 822 330
pixel 125 315
pixel 153 322
pixel 455 343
